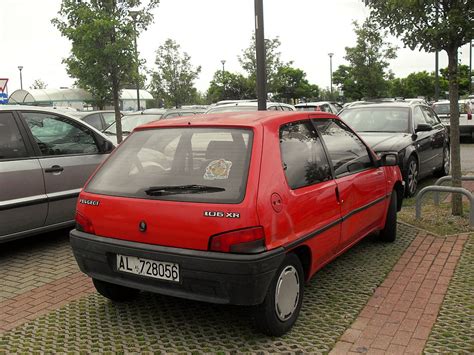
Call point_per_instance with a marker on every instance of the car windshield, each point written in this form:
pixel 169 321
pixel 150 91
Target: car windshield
pixel 179 164
pixel 377 119
pixel 235 108
pixel 130 122
pixel 444 109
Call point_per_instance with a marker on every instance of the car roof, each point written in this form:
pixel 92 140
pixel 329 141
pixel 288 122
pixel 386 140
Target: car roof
pixel 316 103
pixel 236 119
pixel 384 105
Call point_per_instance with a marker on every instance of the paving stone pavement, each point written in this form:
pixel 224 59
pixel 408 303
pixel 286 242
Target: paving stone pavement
pixel 333 299
pixel 400 315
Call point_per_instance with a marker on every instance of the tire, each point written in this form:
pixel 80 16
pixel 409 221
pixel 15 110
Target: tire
pixel 282 304
pixel 445 167
pixel 389 231
pixel 411 178
pixel 115 292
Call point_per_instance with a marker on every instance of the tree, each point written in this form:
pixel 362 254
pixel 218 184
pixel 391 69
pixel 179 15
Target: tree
pixel 230 86
pixel 291 83
pixel 367 74
pixel 463 72
pixel 102 56
pixel 430 26
pixel 39 84
pixel 173 79
pixel 344 76
pixel 248 61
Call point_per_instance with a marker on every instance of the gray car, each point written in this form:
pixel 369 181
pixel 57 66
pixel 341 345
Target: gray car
pixel 45 159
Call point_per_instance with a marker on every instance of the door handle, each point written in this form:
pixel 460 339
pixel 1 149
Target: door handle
pixel 54 169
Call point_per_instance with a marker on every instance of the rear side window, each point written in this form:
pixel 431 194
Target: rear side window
pixel 347 152
pixel 11 142
pixel 179 164
pixel 302 153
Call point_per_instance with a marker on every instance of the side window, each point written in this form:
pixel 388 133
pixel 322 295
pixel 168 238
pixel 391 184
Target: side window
pixel 109 118
pixel 59 136
pixel 273 108
pixel 11 143
pixel 418 116
pixel 303 156
pixel 430 117
pixel 347 152
pixel 94 120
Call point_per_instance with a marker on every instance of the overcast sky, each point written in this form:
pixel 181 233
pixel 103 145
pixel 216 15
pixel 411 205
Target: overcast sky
pixel 209 31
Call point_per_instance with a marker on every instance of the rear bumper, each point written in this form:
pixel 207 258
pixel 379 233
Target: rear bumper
pixel 205 276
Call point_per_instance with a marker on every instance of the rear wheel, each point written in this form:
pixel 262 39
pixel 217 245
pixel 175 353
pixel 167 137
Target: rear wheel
pixel 116 293
pixel 282 304
pixel 411 178
pixel 389 231
pixel 445 168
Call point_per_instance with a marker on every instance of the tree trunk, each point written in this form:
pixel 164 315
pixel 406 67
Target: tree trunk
pixel 454 129
pixel 118 115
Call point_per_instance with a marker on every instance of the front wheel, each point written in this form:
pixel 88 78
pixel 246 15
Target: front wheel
pixel 411 178
pixel 389 231
pixel 115 292
pixel 282 304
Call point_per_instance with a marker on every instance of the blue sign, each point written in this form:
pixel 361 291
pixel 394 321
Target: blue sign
pixel 3 98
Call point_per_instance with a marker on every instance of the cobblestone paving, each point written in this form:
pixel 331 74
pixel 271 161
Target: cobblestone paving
pixel 154 323
pixel 35 262
pixel 400 315
pixel 453 331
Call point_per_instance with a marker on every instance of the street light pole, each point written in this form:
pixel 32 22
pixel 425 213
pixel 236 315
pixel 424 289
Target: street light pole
pixel 471 44
pixel 223 63
pixel 437 65
pixel 20 68
pixel 330 68
pixel 260 53
pixel 223 82
pixel 134 17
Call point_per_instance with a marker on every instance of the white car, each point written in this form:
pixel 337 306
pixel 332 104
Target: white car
pixel 466 121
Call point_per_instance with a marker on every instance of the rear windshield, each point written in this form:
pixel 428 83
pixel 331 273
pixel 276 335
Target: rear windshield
pixel 179 164
pixel 379 119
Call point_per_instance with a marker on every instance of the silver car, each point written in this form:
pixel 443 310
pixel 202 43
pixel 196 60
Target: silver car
pixel 45 159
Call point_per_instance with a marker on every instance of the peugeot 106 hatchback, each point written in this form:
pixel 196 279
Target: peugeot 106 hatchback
pixel 233 208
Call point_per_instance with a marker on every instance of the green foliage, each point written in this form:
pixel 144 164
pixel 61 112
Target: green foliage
pixel 463 75
pixel 39 84
pixel 366 76
pixel 174 77
pixel 230 86
pixel 248 60
pixel 102 54
pixel 291 83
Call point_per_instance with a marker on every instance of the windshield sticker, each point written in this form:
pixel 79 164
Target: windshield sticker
pixel 218 170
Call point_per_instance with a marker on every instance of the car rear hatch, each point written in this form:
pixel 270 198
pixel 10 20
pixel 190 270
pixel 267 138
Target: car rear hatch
pixel 175 187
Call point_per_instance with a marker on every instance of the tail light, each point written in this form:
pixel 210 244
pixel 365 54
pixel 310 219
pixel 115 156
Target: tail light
pixel 243 241
pixel 84 224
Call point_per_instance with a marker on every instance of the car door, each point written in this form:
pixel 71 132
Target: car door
pixel 422 142
pixel 23 202
pixel 68 154
pixel 438 136
pixel 312 201
pixel 360 183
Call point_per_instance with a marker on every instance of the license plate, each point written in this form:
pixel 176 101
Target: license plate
pixel 149 268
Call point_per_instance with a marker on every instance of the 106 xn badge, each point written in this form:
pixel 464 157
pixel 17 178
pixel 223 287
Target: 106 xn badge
pixel 220 214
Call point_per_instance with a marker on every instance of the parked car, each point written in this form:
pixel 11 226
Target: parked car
pixel 413 131
pixel 97 119
pixel 243 105
pixel 176 112
pixel 466 122
pixel 45 159
pixel 324 106
pixel 233 208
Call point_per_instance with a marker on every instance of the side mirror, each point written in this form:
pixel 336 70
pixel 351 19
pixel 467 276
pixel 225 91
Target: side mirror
pixel 107 146
pixel 389 159
pixel 423 127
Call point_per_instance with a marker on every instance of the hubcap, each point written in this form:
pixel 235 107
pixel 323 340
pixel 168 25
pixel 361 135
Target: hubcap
pixel 412 176
pixel 287 293
pixel 447 161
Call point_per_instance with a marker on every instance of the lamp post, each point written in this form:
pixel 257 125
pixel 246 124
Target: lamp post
pixel 260 53
pixel 330 68
pixel 20 68
pixel 134 15
pixel 223 82
pixel 471 77
pixel 223 64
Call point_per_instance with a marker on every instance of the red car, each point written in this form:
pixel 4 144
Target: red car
pixel 233 208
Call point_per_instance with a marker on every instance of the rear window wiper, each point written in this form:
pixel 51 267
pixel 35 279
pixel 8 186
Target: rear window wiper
pixel 181 189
